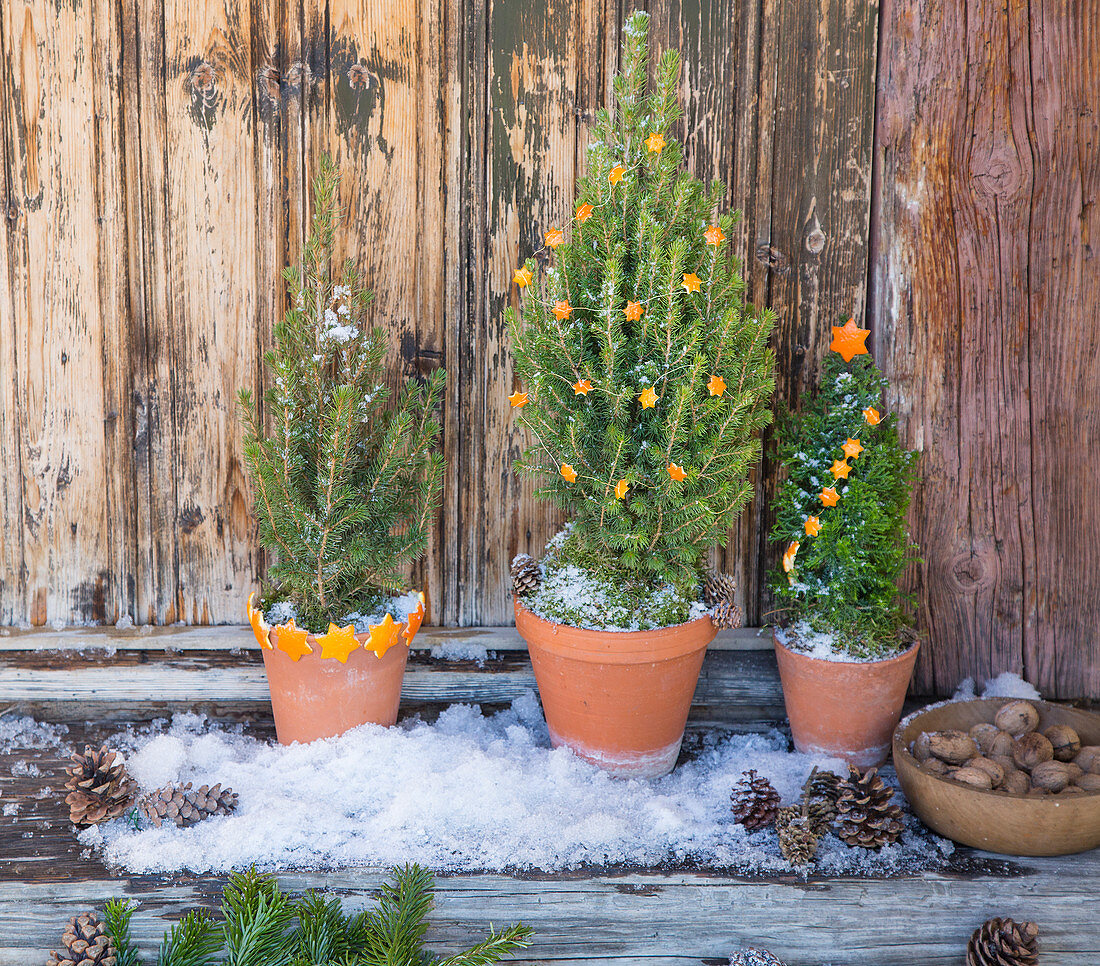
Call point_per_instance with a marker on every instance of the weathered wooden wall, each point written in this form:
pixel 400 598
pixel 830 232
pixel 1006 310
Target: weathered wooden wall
pixel 156 157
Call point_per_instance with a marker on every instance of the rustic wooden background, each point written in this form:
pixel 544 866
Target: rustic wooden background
pixel 931 166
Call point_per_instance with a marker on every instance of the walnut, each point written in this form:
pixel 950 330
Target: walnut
pixel 1066 742
pixel 1017 718
pixel 984 734
pixel 1032 749
pixel 1051 776
pixel 1087 782
pixel 933 766
pixel 921 750
pixel 973 776
pixel 1088 759
pixel 1016 783
pixel 995 771
pixel 954 747
pixel 1002 744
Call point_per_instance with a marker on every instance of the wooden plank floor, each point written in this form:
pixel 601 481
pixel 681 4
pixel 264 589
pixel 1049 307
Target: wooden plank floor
pixel 600 917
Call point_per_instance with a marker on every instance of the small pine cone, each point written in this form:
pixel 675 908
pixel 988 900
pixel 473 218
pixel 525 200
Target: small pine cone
pixel 754 957
pixel 865 816
pixel 84 943
pixel 525 574
pixel 1003 942
pixel 754 801
pixel 717 587
pixel 726 614
pixel 186 807
pixel 99 787
pixel 820 793
pixel 798 839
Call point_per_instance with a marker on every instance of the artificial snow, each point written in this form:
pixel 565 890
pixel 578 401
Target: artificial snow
pixel 20 733
pixel 1006 685
pixel 467 793
pixel 460 650
pixel 801 637
pixel 399 608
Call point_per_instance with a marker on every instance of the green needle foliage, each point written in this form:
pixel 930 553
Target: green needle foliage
pixel 347 486
pixel 844 580
pixel 265 927
pixel 645 233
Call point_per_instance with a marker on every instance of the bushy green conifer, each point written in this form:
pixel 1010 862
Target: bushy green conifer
pixel 644 376
pixel 346 484
pixel 842 563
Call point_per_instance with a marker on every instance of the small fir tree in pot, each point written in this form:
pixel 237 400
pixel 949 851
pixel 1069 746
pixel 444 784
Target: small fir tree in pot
pixel 644 376
pixel 347 485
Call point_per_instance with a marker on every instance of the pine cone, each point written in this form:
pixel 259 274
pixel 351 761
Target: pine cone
pixel 717 587
pixel 820 793
pixel 800 831
pixel 727 614
pixel 754 801
pixel 1003 942
pixel 525 574
pixel 184 807
pixel 100 788
pixel 84 943
pixel 865 817
pixel 754 957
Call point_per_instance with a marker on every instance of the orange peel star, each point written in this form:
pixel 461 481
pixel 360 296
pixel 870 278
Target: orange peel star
pixel 655 143
pixel 789 555
pixel 633 311
pixel 413 621
pixel 852 448
pixel 648 398
pixel 584 212
pixel 260 627
pixel 338 642
pixel 383 636
pixel 812 526
pixel 829 496
pixel 676 472
pixel 523 276
pixel 519 399
pixel 554 237
pixel 692 282
pixel 871 415
pixel 849 339
pixel 716 385
pixel 620 489
pixel 562 310
pixel 292 640
pixel 616 174
pixel 714 236
pixel 840 469
pixel 582 387
pixel 568 472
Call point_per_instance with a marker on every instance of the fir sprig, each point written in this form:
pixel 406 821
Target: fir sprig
pixel 614 318
pixel 347 486
pixel 195 940
pixel 117 914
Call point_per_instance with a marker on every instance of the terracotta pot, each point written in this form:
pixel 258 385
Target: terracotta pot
pixel 619 699
pixel 320 691
pixel 844 709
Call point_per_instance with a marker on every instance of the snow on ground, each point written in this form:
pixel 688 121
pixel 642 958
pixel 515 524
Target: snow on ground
pixel 467 793
pixel 1006 685
pixel 19 732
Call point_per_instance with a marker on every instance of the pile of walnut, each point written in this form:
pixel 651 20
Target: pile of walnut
pixel 1012 756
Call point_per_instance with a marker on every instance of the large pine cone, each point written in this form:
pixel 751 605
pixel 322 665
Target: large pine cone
pixel 100 788
pixel 84 943
pixel 820 793
pixel 727 614
pixel 1003 942
pixel 865 817
pixel 186 807
pixel 717 587
pixel 754 957
pixel 754 801
pixel 525 574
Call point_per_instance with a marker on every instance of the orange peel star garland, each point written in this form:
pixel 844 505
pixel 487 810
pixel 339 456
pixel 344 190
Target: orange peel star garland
pixel 338 642
pixel 292 640
pixel 413 621
pixel 562 310
pixel 716 385
pixel 871 415
pixel 789 555
pixel 648 398
pixel 633 311
pixel 655 143
pixel 554 237
pixel 852 448
pixel 523 276
pixel 260 627
pixel 616 174
pixel 582 387
pixel 676 472
pixel 692 283
pixel 383 636
pixel 620 489
pixel 849 340
pixel 584 212
pixel 840 469
pixel 568 473
pixel 829 496
pixel 714 236
pixel 518 399
pixel 812 526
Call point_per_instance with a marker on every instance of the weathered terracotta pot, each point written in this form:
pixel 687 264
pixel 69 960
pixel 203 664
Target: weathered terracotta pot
pixel 841 709
pixel 618 699
pixel 317 695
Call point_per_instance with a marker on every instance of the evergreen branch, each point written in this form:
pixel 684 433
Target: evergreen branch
pixel 193 941
pixel 117 914
pixel 494 949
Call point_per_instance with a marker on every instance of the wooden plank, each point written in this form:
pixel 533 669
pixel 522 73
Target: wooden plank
pixel 981 241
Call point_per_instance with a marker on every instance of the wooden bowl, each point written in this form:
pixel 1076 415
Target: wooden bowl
pixel 998 821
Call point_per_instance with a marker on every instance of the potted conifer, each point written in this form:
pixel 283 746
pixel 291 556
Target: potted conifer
pixel 644 379
pixel 845 645
pixel 347 486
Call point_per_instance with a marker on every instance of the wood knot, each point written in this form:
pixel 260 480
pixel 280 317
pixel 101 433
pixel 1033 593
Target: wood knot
pixel 13 211
pixel 203 78
pixel 815 241
pixel 773 258
pixel 359 78
pixel 268 80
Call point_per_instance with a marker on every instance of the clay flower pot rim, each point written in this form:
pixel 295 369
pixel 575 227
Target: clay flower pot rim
pixel 611 630
pixel 880 662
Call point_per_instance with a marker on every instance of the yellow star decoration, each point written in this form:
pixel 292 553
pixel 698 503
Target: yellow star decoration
pixel 788 556
pixel 654 143
pixel 871 415
pixel 692 283
pixel 584 212
pixel 648 398
pixel 852 449
pixel 714 236
pixel 413 622
pixel 829 496
pixel 812 526
pixel 568 472
pixel 582 387
pixel 523 276
pixel 849 339
pixel 716 385
pixel 259 626
pixel 676 472
pixel 620 489
pixel 292 640
pixel 633 311
pixel 840 469
pixel 382 636
pixel 562 310
pixel 554 237
pixel 616 174
pixel 339 642
pixel 518 399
